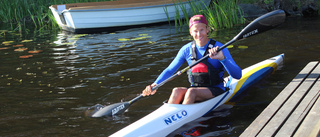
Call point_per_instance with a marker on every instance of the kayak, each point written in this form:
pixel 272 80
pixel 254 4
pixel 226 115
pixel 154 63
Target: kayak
pixel 170 117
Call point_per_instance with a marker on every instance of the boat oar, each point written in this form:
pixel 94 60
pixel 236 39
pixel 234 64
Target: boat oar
pixel 261 24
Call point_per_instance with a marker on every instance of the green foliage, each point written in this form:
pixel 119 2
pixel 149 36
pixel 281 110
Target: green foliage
pixel 248 1
pixel 220 14
pixel 268 1
pixel 18 12
pixel 224 14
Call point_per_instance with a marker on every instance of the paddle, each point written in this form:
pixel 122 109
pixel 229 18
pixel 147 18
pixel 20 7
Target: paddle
pixel 261 24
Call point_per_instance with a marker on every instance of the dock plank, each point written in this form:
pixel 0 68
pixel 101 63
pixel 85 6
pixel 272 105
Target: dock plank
pixel 302 110
pixel 263 119
pixel 289 106
pixel 310 127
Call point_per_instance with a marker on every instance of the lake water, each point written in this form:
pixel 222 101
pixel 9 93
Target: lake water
pixel 47 93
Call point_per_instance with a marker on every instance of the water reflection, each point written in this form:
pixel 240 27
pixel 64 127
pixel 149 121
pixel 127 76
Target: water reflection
pixel 64 55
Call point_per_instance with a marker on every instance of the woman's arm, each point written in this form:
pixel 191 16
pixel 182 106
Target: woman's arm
pixel 227 61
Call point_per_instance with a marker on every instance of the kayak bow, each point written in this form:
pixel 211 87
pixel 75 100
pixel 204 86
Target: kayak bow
pixel 169 117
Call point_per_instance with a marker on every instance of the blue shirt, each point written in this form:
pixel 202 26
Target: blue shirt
pixel 185 55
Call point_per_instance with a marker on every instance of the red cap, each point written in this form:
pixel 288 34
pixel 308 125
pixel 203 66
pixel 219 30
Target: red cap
pixel 197 19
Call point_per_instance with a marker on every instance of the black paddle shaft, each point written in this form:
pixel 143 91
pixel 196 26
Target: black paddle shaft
pixel 261 24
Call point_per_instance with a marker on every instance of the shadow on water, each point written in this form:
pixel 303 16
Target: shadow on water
pixel 46 93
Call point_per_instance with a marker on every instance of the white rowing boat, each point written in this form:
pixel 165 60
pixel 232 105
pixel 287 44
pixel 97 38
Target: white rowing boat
pixel 169 117
pixel 93 16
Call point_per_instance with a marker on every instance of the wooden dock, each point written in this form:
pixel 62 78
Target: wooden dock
pixel 295 111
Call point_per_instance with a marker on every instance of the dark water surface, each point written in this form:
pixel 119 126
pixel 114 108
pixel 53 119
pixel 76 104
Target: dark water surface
pixel 48 93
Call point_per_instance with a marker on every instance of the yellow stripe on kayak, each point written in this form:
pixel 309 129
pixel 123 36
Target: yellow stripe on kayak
pixel 248 74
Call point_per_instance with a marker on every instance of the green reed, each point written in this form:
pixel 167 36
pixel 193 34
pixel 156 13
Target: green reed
pixel 19 13
pixel 224 14
pixel 180 7
pixel 220 13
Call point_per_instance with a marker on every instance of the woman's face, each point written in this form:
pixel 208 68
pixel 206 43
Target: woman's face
pixel 199 33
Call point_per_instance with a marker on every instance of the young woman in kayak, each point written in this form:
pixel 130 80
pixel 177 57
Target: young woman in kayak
pixel 206 78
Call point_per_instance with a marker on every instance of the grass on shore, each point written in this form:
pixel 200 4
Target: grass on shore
pixel 219 14
pixel 19 13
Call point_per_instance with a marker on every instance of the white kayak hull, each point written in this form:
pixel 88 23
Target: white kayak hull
pixel 170 117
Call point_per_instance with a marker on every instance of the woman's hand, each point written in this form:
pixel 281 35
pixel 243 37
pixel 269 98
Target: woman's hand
pixel 147 91
pixel 214 55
